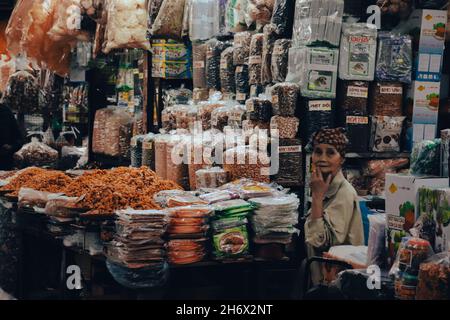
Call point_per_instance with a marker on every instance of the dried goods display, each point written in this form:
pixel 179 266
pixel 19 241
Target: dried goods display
pixel 354 96
pixel 153 10
pixel 199 60
pixel 259 12
pixel 227 71
pixel 425 158
pixel 434 278
pixel 387 99
pixel 105 191
pixel 376 171
pixel 169 22
pixel 205 110
pixel 256 90
pixel 285 97
pixel 127 25
pixel 241 51
pixel 395 58
pixel 255 59
pixel 177 171
pixel 203 19
pixel 237 114
pixel 36 154
pixel 259 109
pixel 211 178
pixel 283 17
pixel 242 83
pixel 244 162
pixel 136 150
pixel 290 172
pixel 214 49
pixel 317 114
pixel 22 94
pixel 65 28
pixel 318 22
pixel 287 127
pixel 219 117
pixel 358 52
pixel 280 59
pixel 270 36
pixel 401 8
pixel 386 133
pixel 169 121
pixel 358 132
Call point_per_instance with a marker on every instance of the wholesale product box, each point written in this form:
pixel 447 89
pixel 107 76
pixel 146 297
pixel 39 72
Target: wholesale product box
pixel 434 206
pixel 171 59
pixel 401 205
pixel 426 109
pixel 432 24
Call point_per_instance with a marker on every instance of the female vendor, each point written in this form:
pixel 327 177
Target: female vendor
pixel 334 218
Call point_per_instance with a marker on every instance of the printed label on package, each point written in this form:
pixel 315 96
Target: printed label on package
pixel 147 145
pixel 395 222
pixel 275 99
pixel 357 120
pixel 324 105
pixel 250 106
pixel 391 90
pixel 357 92
pixel 241 96
pixel 199 64
pixel 290 149
pixel 223 64
pixel 239 69
pixel 255 60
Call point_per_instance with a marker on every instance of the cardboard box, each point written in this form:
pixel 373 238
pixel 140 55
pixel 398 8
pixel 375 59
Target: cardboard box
pixel 429 61
pixel 402 206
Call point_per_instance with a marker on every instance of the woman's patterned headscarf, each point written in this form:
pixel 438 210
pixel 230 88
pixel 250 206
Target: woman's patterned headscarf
pixel 335 137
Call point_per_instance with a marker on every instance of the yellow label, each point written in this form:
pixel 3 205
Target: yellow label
pixel 393 188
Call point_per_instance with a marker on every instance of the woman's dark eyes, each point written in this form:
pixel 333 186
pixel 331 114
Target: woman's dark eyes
pixel 331 152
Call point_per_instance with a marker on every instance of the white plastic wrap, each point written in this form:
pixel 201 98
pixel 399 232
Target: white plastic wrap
pixel 376 243
pixel 169 22
pixel 127 25
pixel 204 19
pixel 358 52
pixel 318 21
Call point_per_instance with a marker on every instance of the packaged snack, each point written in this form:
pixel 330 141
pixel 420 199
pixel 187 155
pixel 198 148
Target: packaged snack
pixel 386 133
pixel 205 110
pixel 358 132
pixel 283 17
pixel 219 117
pixel 241 51
pixel 214 49
pixel 211 178
pixel 284 98
pixel 259 13
pixel 434 278
pixel 354 96
pixel 425 158
pixel 242 83
pixel 316 114
pixel 358 52
pixel 387 99
pixel 280 58
pixel 290 172
pixel 231 243
pixel 227 71
pixel 270 36
pixel 169 22
pixel 255 59
pixel 199 60
pixel 259 109
pixel 237 114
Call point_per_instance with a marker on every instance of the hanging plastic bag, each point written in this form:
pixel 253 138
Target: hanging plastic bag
pixel 36 154
pixel 255 59
pixel 22 94
pixel 127 25
pixel 227 71
pixel 283 17
pixel 169 22
pixel 213 56
pixel 386 133
pixel 425 158
pixel 67 24
pixel 269 38
pixel 204 19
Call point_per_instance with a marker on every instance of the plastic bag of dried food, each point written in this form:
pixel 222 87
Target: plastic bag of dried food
pixel 318 22
pixel 242 83
pixel 67 24
pixel 296 64
pixel 168 119
pixel 434 278
pixel 59 205
pixel 169 22
pixel 244 162
pixel 127 25
pixel 354 96
pixel 136 150
pixel 199 59
pixel 287 126
pixel 22 94
pixel 147 275
pixel 317 114
pixel 236 115
pixel 227 71
pixel 241 51
pixel 30 198
pixel 219 117
pixel 386 133
pixel 358 132
pixel 387 99
pixel 256 90
pixel 205 110
pixel 270 36
pixel 358 52
pixel 396 9
pixel 153 10
pixel 148 151
pixel 211 178
pixel 290 171
pixel 259 109
pixel 231 243
pixel 283 17
pixel 259 12
pixel 177 169
pixel 186 117
pixel 280 58
pixel 203 19
pixel 176 96
pixel 214 49
pixel 36 154
pixel 200 94
pixel 395 58
pixel 284 98
pixel 255 59
pixel 425 158
pixel 117 133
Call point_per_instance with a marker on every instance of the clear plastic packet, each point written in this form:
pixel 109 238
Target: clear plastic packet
pixel 255 59
pixel 242 83
pixel 236 115
pixel 354 96
pixel 395 58
pixel 259 13
pixel 358 52
pixel 318 114
pixel 182 201
pixel 287 126
pixel 386 133
pixel 177 96
pixel 231 243
pixel 161 155
pixel 118 133
pixel 396 10
pixel 320 78
pixel 256 90
pixel 22 92
pixel 169 22
pixel 67 23
pixel 162 196
pixel 169 121
pixel 205 110
pixel 136 150
pixel 285 98
pixel 200 94
pixel 283 17
pixel 29 198
pixel 211 178
pixel 376 242
pixel 219 196
pixel 219 117
pixel 203 19
pixel 318 21
pixel 214 49
pixel 387 99
pixel 59 205
pixel 434 275
pixel 425 158
pixel 290 172
pixel 227 71
pixel 153 9
pixel 259 109
pixel 270 36
pixel 144 277
pixel 192 210
pixel 241 51
pixel 36 154
pixel 185 116
pixel 199 60
pixel 127 25
pixel 228 223
pixel 177 169
pixel 244 162
pixel 280 59
pixel 296 63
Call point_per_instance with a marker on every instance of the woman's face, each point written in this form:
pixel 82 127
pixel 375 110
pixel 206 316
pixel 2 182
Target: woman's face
pixel 326 158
